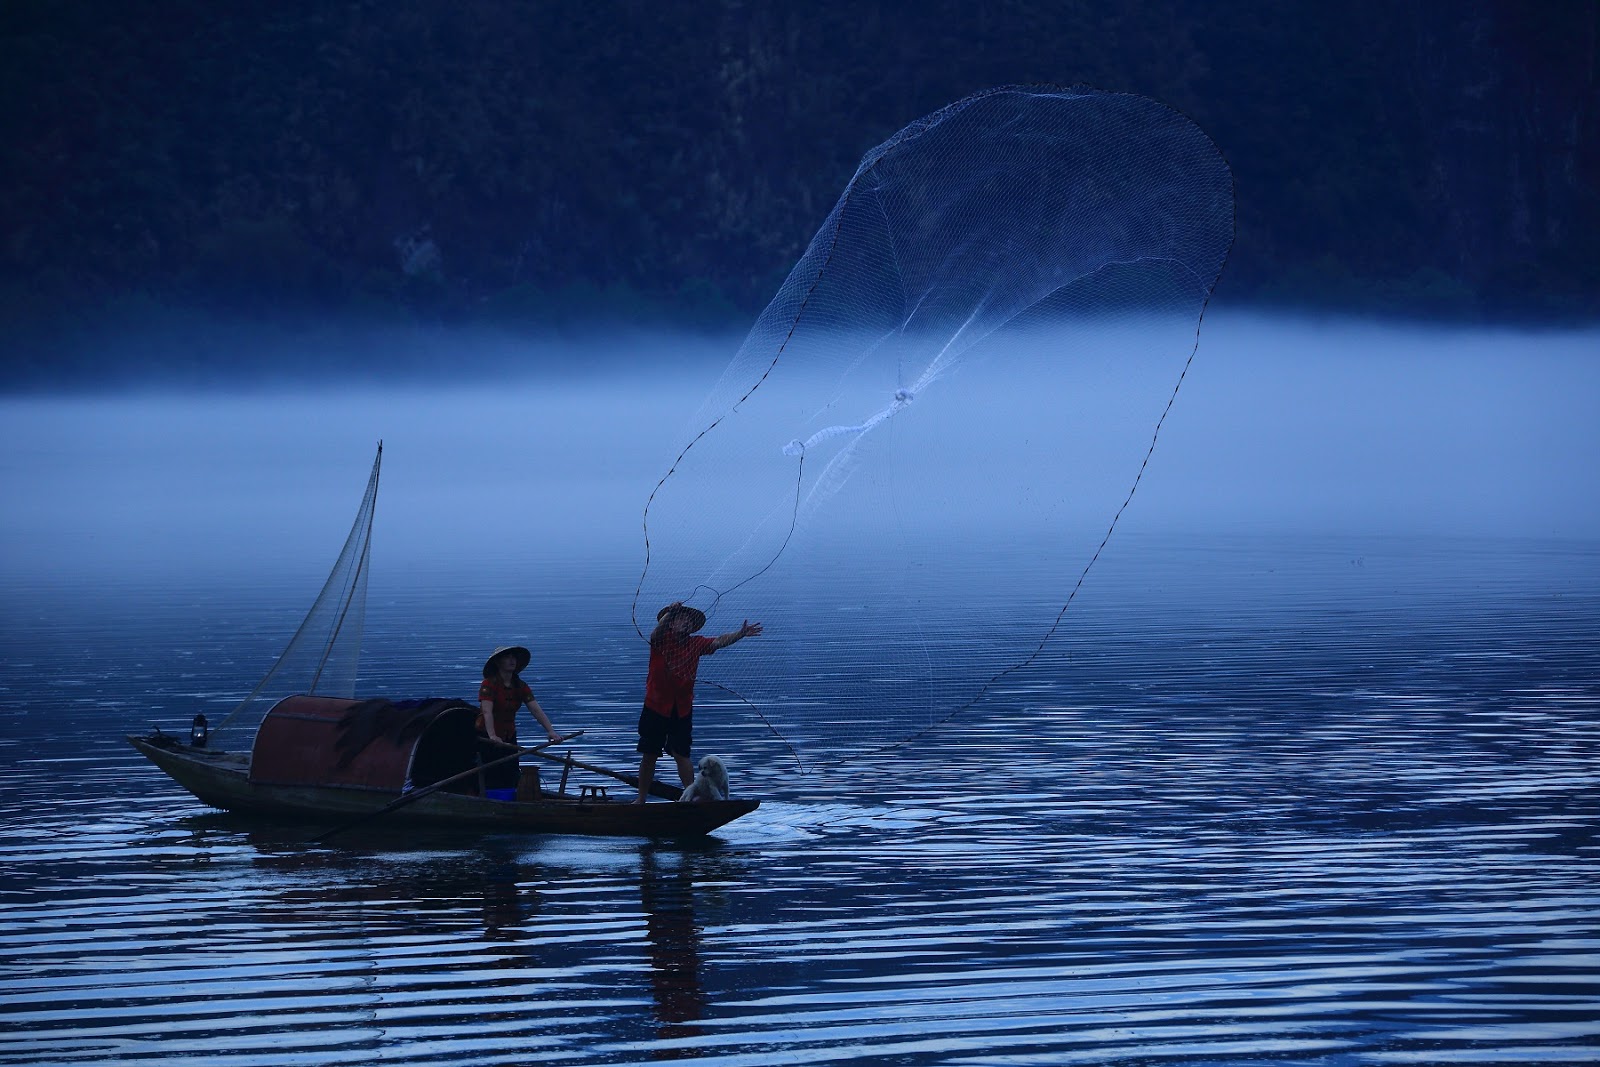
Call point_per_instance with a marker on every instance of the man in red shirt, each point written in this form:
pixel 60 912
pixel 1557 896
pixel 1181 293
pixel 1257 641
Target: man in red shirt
pixel 666 724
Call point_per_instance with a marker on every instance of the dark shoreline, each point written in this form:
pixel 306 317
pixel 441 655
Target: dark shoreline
pixel 493 162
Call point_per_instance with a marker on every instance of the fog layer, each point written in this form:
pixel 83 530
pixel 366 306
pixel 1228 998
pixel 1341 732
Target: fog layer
pixel 1298 427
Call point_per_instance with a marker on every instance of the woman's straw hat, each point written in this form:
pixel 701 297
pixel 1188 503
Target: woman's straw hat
pixel 523 656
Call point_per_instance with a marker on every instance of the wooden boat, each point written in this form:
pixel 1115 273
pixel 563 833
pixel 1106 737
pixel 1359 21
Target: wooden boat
pixel 321 754
pixel 298 768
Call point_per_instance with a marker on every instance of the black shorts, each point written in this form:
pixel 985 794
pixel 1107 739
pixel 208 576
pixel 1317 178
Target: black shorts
pixel 658 734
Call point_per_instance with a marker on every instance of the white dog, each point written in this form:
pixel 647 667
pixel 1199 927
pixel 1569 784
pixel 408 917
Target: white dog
pixel 711 783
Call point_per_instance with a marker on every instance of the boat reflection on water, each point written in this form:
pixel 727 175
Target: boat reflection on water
pixel 667 896
pixel 507 901
pixel 531 925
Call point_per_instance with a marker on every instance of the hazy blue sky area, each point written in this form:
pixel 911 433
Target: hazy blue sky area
pixel 1281 426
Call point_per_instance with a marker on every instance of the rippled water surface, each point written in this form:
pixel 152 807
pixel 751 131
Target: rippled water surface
pixel 1268 802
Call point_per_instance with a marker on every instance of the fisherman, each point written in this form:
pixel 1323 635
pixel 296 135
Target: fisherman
pixel 503 693
pixel 665 724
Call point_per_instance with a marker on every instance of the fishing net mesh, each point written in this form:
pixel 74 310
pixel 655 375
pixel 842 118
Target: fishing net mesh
pixel 323 655
pixel 916 451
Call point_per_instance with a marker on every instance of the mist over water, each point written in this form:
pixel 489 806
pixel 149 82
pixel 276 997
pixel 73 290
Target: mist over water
pixel 1347 427
pixel 1281 426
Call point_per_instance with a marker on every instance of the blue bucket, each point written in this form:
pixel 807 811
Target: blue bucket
pixel 500 794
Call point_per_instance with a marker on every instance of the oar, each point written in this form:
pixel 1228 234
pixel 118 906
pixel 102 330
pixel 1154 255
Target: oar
pixel 657 788
pixel 418 794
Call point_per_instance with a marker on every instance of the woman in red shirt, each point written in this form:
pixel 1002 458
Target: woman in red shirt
pixel 503 693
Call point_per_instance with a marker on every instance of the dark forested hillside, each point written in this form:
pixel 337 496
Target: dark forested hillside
pixel 529 161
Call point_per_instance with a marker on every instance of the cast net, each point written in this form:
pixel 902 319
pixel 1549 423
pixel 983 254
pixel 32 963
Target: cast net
pixel 929 433
pixel 322 657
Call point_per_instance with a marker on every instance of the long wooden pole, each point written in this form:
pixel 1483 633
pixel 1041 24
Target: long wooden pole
pixel 657 789
pixel 418 794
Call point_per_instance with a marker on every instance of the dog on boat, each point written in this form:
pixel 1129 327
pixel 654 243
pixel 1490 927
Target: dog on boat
pixel 711 783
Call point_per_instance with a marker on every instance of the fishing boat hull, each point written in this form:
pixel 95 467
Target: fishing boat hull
pixel 222 780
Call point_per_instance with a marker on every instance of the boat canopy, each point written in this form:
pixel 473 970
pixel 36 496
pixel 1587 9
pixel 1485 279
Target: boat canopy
pixel 363 744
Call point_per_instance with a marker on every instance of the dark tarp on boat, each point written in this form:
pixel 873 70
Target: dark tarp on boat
pixel 365 744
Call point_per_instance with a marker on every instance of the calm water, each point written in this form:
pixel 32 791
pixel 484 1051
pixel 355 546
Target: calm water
pixel 1300 802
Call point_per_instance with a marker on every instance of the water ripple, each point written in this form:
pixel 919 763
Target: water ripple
pixel 1367 840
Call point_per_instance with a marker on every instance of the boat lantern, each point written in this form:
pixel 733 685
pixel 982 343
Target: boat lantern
pixel 198 732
